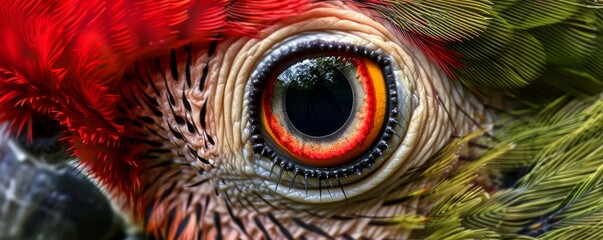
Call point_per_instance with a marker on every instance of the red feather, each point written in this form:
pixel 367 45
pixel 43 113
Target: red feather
pixel 437 51
pixel 65 59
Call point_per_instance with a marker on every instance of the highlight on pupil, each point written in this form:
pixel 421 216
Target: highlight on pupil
pixel 324 110
pixel 318 97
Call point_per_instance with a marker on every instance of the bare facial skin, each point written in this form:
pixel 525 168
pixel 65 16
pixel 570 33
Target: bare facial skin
pixel 204 179
pixel 301 119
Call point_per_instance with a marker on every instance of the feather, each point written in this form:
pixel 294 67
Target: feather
pixel 452 20
pixel 431 25
pixel 65 59
pixel 517 50
pixel 563 185
pixel 545 56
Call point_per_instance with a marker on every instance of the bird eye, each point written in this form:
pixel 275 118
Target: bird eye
pixel 344 111
pixel 324 109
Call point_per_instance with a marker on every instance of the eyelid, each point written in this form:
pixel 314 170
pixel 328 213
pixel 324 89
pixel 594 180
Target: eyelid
pixel 265 168
pixel 330 158
pixel 429 96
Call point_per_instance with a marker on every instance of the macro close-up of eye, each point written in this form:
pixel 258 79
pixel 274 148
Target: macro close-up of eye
pixel 323 110
pixel 265 119
pixel 326 118
pixel 328 109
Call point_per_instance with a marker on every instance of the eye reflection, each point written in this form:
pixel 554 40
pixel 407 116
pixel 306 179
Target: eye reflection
pixel 301 105
pixel 318 97
pixel 321 112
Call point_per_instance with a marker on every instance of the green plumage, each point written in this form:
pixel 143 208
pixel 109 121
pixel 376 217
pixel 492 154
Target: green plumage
pixel 529 44
pixel 563 187
pixel 539 63
pixel 546 58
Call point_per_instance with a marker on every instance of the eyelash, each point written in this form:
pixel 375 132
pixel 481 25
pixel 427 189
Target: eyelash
pixel 367 161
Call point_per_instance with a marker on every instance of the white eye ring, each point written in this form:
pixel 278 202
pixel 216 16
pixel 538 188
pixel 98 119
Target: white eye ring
pixel 427 101
pixel 278 169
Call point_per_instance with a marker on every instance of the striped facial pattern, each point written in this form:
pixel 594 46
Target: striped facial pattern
pixel 320 127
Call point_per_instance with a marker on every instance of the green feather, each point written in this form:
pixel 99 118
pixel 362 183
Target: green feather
pixel 564 183
pixel 529 14
pixel 529 45
pixel 521 62
pixel 546 57
pixel 438 18
pixel 491 41
pixel 570 42
pixel 564 188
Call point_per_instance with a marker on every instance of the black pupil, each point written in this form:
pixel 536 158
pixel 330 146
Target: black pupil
pixel 319 97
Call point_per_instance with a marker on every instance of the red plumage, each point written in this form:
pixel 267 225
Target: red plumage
pixel 437 51
pixel 65 59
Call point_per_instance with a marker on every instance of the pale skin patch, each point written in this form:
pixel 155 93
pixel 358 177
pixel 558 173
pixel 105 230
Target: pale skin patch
pixel 234 188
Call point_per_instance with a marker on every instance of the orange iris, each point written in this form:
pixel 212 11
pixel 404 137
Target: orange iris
pixel 353 139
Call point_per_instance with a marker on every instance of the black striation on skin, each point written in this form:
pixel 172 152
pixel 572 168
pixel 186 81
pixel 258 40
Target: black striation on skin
pixel 167 166
pixel 218 225
pixel 262 228
pixel 280 226
pixel 167 146
pixel 312 228
pixel 181 227
pixel 165 171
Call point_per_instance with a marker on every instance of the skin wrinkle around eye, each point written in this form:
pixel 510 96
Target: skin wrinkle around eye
pixel 326 19
pixel 244 65
pixel 226 94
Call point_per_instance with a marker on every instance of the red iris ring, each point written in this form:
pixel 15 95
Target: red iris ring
pixel 355 139
pixel 265 146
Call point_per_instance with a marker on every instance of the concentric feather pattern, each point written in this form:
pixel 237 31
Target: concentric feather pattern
pixel 540 63
pixel 527 39
pixel 545 60
pixel 64 60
